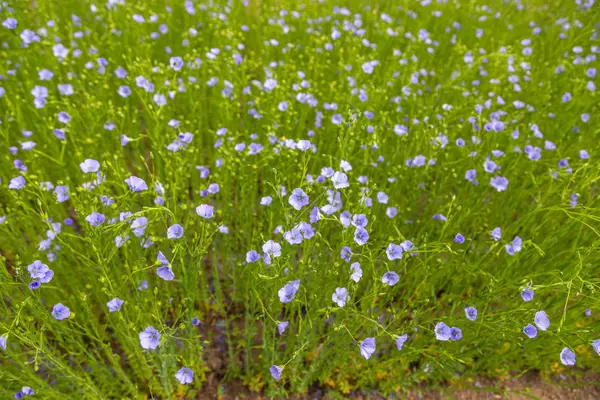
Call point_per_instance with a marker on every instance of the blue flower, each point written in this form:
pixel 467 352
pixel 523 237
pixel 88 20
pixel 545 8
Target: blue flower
pixel 298 199
pixel 356 272
pixel 515 246
pixel 185 375
pixel 282 326
pixel 527 294
pixel 115 304
pixel 567 356
pixel 136 184
pixel 149 338
pixel 340 180
pixel 400 340
pixel 541 320
pixel 361 236
pixel 252 256
pixel 496 234
pixel 390 278
pixel 394 251
pixel 288 292
pixel 17 183
pixel 340 296
pixel 95 219
pixel 175 231
pixel 442 331
pixel 89 166
pixel 530 331
pixel 205 211
pixel 368 347
pixel 455 334
pixel 499 183
pixel 471 313
pixel 275 371
pixel 60 312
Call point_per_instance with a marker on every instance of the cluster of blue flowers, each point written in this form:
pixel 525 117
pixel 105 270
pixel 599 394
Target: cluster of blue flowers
pixel 333 184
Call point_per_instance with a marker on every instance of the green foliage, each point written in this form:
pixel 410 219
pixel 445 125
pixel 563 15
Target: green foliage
pixel 97 354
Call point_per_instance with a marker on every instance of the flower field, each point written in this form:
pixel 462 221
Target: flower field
pixel 342 198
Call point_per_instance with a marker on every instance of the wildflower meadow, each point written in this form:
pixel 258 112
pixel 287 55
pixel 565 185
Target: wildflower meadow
pixel 334 197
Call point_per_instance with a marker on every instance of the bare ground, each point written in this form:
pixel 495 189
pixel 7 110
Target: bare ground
pixel 528 387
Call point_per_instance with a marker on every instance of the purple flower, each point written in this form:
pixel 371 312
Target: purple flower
pixel 455 334
pixel 340 296
pixel 459 238
pixel 382 198
pixel 595 345
pixel 390 278
pixel 252 256
pixel 48 275
pixel 499 183
pixel 165 272
pixel 272 248
pixel 185 375
pixel 275 371
pixel 515 246
pixel 62 193
pixel 139 226
pixel 115 304
pixel 89 165
pixel 496 234
pixel 27 390
pixel 60 312
pixel 282 326
pixel 33 285
pixel 149 338
pixel 356 272
pixel 391 212
pixel 541 320
pixel 360 220
pixel 361 236
pixel 288 292
pixel 471 313
pixel 10 23
pixel 490 166
pixel 470 175
pixel 340 180
pixel 175 231
pixel 567 357
pixel 64 117
pixel 394 251
pixel 439 217
pixel 95 219
pixel 400 340
pixel 37 269
pixel 17 183
pixel 298 199
pixel 527 294
pixel 530 331
pixel 442 331
pixel 195 321
pixel 3 342
pixel 368 347
pixel 176 63
pixel 136 184
pixel 205 211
